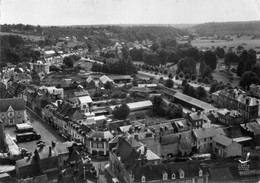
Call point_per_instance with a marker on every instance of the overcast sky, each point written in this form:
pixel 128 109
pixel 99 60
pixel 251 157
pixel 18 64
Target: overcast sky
pixel 82 12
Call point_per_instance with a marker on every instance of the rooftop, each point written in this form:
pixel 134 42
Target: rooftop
pixel 202 133
pixel 17 104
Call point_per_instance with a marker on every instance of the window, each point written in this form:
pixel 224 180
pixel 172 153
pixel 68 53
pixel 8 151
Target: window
pixel 200 173
pixel 143 178
pixel 181 174
pixel 84 106
pixel 94 145
pixel 100 145
pixel 165 176
pixel 11 121
pixel 19 114
pixel 200 180
pixel 3 115
pixel 10 114
pixel 173 176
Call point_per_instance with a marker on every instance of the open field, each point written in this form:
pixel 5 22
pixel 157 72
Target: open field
pixel 29 37
pixel 246 42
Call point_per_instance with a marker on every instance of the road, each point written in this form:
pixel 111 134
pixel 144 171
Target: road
pixel 48 134
pixel 176 82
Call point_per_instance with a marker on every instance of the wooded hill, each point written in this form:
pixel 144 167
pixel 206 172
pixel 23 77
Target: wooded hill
pixel 250 28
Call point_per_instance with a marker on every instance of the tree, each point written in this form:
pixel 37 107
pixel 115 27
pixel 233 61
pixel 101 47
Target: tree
pixel 206 80
pixel 201 92
pixel 159 107
pixel 220 52
pixel 207 73
pixel 181 75
pixel 96 67
pixel 54 68
pixel 230 58
pixel 248 78
pixel 202 66
pixel 174 111
pixel 121 112
pixel 187 66
pixel 210 59
pixel 161 80
pixel 155 46
pixel 168 43
pixel 169 83
pixel 125 52
pixel 108 85
pixel 135 83
pixel 68 62
pixel 170 76
pixel 106 68
pixel 151 59
pixel 163 55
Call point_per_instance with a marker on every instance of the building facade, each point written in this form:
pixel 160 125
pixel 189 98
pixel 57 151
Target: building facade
pixel 12 111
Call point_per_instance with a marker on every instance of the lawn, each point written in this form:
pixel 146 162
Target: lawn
pixel 245 41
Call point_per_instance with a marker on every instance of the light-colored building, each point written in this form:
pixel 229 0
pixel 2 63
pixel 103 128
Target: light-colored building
pixel 97 142
pixel 226 147
pixel 236 99
pixel 12 111
pixel 254 90
pixel 204 137
pixel 39 66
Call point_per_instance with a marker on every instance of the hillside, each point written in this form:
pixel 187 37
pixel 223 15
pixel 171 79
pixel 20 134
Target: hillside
pixel 251 28
pixel 150 32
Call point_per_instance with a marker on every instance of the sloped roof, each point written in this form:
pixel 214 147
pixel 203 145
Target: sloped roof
pixel 149 154
pixel 220 174
pixel 102 135
pixel 139 105
pixel 81 93
pixel 89 79
pixel 252 127
pixel 140 89
pixel 85 99
pixel 105 79
pixel 17 104
pixel 225 141
pixel 155 172
pixel 202 133
pixel 119 77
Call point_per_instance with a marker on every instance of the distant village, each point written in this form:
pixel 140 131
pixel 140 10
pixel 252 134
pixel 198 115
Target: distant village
pixel 82 124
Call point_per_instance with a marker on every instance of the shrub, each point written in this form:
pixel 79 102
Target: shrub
pixel 206 80
pixel 193 77
pixel 181 75
pixel 187 76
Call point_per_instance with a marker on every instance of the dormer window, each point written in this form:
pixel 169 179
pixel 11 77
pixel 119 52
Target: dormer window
pixel 173 176
pixel 200 173
pixel 143 178
pixel 181 173
pixel 165 176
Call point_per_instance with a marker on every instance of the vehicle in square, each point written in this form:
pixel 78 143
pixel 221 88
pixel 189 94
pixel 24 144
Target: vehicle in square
pixel 27 136
pixel 21 128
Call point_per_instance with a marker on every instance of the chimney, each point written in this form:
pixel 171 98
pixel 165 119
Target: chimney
pixel 247 101
pixel 198 112
pixel 53 144
pixel 136 136
pixel 145 150
pixel 50 151
pixel 59 103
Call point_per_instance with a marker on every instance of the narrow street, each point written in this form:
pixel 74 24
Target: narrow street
pixel 48 134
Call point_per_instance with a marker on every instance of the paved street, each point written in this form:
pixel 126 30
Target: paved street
pixel 48 134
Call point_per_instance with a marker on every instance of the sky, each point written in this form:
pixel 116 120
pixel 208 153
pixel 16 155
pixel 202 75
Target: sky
pixel 91 12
